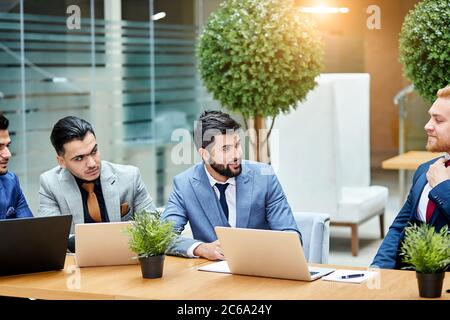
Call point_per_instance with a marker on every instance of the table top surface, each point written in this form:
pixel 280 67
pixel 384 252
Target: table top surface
pixel 182 280
pixel 410 160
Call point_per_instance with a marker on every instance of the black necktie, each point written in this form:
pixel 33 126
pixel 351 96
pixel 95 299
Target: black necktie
pixel 222 198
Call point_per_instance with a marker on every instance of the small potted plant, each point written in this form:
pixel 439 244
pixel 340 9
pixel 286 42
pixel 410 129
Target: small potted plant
pixel 427 252
pixel 149 238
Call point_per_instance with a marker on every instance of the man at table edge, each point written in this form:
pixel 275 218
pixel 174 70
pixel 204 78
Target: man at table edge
pixel 429 198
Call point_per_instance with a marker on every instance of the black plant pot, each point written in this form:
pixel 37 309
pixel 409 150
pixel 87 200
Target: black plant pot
pixel 152 267
pixel 430 284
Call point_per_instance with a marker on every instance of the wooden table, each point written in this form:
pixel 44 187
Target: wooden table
pixel 410 160
pixel 181 280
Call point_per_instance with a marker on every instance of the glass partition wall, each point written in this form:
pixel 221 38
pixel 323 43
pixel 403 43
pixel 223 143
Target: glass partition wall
pixel 128 67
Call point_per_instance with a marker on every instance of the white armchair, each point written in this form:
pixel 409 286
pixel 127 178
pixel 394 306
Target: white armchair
pixel 321 154
pixel 315 229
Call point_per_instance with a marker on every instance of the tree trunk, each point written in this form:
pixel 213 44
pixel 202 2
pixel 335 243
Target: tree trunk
pixel 257 131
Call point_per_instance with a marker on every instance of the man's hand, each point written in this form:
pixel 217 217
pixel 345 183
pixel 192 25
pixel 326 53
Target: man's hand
pixel 438 172
pixel 210 251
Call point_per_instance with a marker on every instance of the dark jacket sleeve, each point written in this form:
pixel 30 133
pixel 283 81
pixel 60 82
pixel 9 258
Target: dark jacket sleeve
pixel 386 257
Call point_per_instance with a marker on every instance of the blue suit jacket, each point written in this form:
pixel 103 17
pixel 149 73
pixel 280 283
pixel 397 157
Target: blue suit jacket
pixel 12 200
pixel 387 256
pixel 260 204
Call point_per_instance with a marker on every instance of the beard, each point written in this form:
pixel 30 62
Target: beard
pixel 225 170
pixel 437 145
pixel 3 171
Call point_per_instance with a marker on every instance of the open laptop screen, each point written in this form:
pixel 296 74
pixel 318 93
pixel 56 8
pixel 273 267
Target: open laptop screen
pixel 33 244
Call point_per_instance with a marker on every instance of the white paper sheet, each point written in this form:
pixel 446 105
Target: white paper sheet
pixel 336 276
pixel 221 266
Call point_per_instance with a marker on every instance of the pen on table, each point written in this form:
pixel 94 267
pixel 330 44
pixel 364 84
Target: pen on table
pixel 350 276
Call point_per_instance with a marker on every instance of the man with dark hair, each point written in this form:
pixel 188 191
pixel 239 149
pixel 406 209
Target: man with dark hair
pixel 429 198
pixel 223 190
pixel 12 200
pixel 82 185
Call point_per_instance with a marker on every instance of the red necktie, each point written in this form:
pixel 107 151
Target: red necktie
pixel 431 205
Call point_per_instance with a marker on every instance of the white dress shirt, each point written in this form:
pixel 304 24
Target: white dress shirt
pixel 230 194
pixel 423 202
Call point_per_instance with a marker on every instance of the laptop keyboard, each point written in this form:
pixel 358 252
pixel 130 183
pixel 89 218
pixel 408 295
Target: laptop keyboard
pixel 313 272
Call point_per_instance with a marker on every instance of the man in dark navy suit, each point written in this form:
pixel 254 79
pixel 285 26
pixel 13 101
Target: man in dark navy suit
pixel 12 200
pixel 429 198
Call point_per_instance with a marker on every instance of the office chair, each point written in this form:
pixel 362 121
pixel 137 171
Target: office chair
pixel 315 229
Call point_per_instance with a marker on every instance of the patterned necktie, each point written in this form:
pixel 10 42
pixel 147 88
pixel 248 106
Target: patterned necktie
pixel 92 202
pixel 431 205
pixel 222 198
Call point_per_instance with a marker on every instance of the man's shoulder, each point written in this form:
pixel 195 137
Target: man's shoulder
pixel 120 169
pixel 255 164
pixel 426 165
pixel 9 177
pixel 259 168
pixel 51 173
pixel 189 173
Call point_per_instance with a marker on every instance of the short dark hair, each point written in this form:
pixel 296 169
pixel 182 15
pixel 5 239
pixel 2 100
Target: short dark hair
pixel 68 129
pixel 4 122
pixel 211 123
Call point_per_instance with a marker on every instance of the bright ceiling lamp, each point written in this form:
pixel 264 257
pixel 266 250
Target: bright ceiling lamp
pixel 159 16
pixel 324 9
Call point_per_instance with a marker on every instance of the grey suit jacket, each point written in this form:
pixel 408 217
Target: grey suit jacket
pixel 59 193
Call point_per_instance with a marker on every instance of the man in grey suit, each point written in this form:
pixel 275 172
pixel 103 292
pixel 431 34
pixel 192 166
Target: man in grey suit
pixel 82 185
pixel 223 190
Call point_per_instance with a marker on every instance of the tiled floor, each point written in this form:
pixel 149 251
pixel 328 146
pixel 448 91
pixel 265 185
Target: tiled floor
pixel 369 232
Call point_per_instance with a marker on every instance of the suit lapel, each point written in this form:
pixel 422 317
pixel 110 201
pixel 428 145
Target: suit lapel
pixel 206 196
pixel 244 190
pixel 110 192
pixel 70 188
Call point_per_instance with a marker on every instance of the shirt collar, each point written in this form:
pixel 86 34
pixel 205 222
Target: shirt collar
pixel 81 181
pixel 213 181
pixel 447 156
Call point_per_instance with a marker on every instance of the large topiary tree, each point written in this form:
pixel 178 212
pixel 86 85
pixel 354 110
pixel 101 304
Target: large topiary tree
pixel 425 46
pixel 259 57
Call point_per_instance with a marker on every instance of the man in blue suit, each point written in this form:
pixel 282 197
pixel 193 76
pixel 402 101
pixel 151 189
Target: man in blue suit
pixel 429 198
pixel 223 190
pixel 12 200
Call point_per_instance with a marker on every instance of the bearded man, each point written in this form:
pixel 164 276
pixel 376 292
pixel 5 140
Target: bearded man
pixel 223 190
pixel 429 198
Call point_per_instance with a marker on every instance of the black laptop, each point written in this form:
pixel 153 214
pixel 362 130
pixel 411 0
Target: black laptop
pixel 33 244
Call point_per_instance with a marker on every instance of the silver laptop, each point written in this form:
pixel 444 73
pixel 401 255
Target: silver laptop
pixel 266 253
pixel 102 244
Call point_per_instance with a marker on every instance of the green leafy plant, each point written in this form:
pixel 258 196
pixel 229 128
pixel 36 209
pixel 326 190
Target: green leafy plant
pixel 425 250
pixel 424 47
pixel 149 235
pixel 259 57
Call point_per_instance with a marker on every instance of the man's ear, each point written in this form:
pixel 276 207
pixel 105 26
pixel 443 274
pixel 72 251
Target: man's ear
pixel 204 154
pixel 61 161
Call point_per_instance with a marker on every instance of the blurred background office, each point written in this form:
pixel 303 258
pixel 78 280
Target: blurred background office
pixel 129 67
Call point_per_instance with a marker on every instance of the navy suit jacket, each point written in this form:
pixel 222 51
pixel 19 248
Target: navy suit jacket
pixel 12 200
pixel 260 204
pixel 387 256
